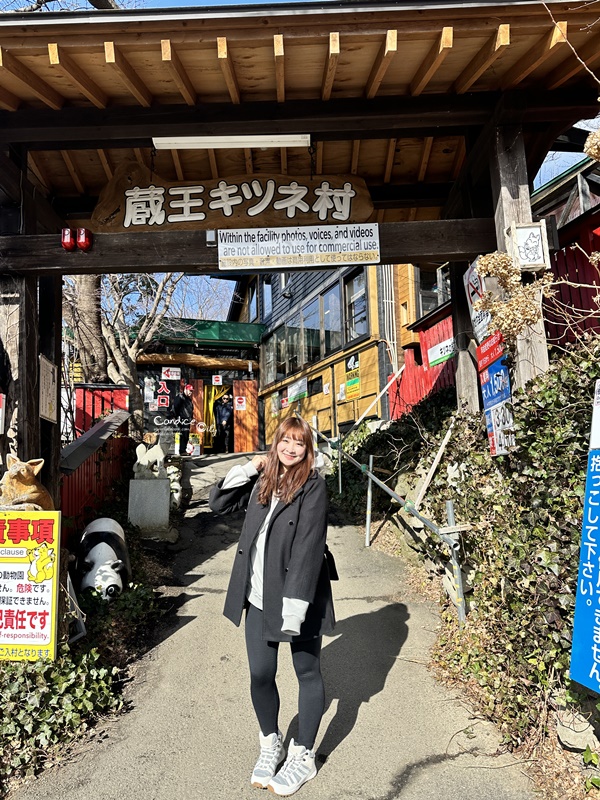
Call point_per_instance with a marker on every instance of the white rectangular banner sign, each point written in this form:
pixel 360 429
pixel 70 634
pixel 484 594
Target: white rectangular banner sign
pixel 475 288
pixel 308 246
pixel 170 374
pixel 440 352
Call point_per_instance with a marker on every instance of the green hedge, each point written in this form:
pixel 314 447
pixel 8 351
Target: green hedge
pixel 526 511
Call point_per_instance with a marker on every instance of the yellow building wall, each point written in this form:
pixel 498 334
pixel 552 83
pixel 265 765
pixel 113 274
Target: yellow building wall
pixel 321 409
pixel 325 411
pixel 405 289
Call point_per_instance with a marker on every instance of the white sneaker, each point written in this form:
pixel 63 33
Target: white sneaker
pixel 299 768
pixel 271 755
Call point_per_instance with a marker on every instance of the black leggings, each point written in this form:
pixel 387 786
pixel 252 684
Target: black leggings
pixel 262 658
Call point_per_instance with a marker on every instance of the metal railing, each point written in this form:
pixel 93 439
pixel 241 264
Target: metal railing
pixel 448 534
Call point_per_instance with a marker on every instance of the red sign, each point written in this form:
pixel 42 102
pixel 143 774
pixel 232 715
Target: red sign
pixel 489 351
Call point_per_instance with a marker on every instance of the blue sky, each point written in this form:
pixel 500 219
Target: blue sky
pixel 555 163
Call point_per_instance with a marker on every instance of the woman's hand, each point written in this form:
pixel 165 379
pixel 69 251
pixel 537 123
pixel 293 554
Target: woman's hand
pixel 259 462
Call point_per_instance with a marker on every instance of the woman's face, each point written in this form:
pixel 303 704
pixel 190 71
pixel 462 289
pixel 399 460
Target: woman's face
pixel 290 451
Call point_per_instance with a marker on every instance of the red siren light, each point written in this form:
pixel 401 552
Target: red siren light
pixel 84 239
pixel 68 239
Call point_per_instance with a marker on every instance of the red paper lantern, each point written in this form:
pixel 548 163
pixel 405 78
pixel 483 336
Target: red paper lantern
pixel 68 239
pixel 84 239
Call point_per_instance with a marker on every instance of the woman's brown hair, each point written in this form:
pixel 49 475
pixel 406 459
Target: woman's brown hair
pixel 295 477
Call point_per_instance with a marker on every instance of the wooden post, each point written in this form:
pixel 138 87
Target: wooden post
pixel 510 187
pixel 467 386
pixel 50 331
pixel 19 332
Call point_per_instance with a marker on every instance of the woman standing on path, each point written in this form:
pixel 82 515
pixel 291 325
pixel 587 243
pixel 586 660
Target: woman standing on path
pixel 281 578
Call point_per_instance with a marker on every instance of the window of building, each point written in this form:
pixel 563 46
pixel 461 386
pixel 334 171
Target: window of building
pixel 280 360
pixel 267 296
pixel 269 373
pixel 252 301
pixel 311 328
pixel 332 319
pixel 356 305
pixel 293 344
pixel 428 296
pixel 315 386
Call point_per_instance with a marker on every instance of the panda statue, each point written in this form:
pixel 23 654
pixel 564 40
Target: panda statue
pixel 102 561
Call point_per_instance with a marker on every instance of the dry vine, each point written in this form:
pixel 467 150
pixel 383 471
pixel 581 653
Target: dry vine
pixel 520 305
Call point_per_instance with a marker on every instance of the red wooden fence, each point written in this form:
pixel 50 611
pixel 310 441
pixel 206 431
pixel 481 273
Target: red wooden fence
pixel 417 381
pixel 574 309
pixel 94 400
pixel 83 490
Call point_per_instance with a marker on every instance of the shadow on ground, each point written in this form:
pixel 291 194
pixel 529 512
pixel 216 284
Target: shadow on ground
pixel 355 663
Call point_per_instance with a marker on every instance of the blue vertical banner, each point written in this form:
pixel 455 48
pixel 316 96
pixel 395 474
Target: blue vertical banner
pixel 585 652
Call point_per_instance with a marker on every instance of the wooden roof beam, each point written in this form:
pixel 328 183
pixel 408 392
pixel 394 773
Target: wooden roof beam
pixel 248 160
pixel 536 56
pixel 425 156
pixel 17 188
pixel 214 168
pixel 432 61
pixel 176 69
pixel 139 156
pixel 155 251
pixel 108 170
pixel 483 60
pixel 330 66
pixel 279 67
pixel 73 172
pixel 177 165
pixel 74 73
pixel 459 157
pixel 588 53
pixel 389 160
pixel 8 100
pixel 39 173
pixel 228 70
pixel 386 53
pixel 11 65
pixel 319 159
pixel 128 76
pixel 336 120
pixel 355 156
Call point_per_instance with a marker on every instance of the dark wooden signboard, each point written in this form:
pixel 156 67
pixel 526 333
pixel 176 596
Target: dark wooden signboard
pixel 138 200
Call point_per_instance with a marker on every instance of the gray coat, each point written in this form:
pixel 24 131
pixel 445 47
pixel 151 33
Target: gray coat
pixel 295 564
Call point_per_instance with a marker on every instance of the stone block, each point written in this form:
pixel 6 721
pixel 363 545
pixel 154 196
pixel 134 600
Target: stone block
pixel 149 503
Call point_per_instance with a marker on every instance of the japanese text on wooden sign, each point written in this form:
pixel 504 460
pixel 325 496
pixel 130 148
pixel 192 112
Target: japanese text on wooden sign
pixel 309 246
pixel 29 577
pixel 585 652
pixel 136 199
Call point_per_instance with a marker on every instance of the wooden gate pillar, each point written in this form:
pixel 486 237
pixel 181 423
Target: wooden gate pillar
pixel 512 203
pixel 19 333
pixel 467 384
pixel 50 339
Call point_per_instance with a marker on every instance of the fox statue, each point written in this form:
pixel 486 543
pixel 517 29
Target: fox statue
pixel 20 488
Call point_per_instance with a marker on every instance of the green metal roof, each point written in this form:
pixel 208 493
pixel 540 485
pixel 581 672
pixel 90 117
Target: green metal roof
pixel 215 332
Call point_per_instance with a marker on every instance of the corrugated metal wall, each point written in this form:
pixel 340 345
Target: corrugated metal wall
pixel 573 310
pixel 83 491
pixel 419 380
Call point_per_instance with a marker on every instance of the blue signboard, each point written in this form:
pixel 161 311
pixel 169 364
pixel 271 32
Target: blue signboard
pixel 585 652
pixel 495 390
pixel 495 384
